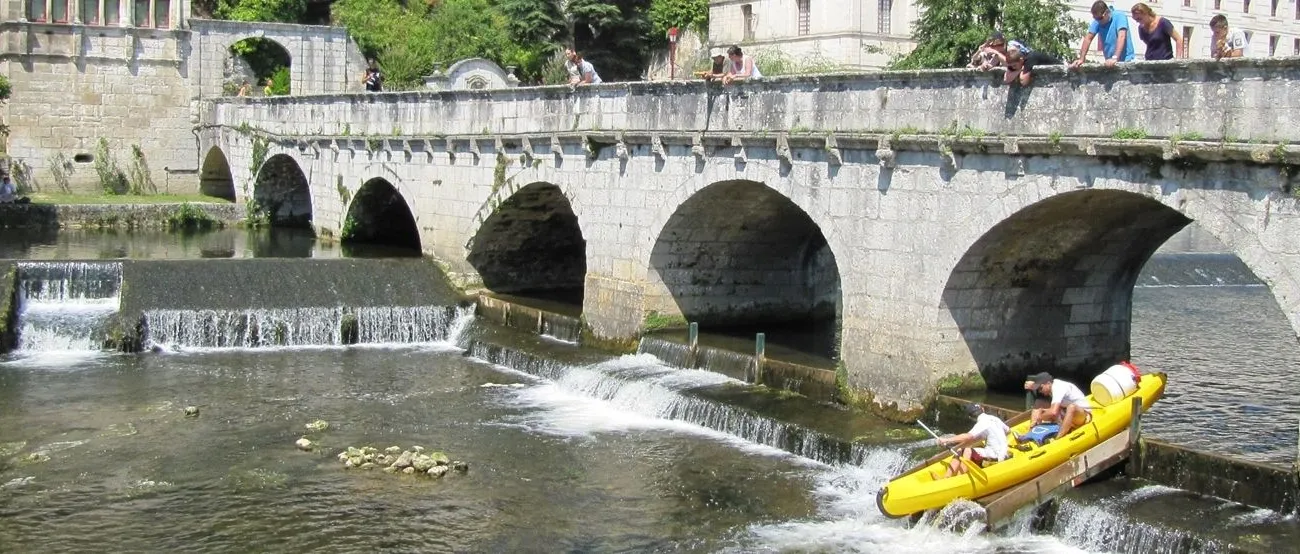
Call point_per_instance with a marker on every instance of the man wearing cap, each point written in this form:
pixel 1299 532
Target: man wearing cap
pixel 988 428
pixel 718 69
pixel 1069 407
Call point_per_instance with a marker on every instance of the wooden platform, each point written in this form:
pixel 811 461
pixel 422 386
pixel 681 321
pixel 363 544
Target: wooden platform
pixel 1000 506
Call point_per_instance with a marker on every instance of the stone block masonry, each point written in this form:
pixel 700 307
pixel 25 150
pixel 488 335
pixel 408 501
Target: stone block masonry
pixel 956 229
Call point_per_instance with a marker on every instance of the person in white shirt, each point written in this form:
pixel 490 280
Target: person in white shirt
pixel 8 192
pixel 1069 407
pixel 1226 43
pixel 988 428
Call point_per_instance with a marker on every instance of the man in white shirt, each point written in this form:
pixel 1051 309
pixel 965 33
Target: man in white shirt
pixel 988 428
pixel 1069 407
pixel 8 192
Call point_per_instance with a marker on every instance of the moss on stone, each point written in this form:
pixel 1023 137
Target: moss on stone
pixel 8 309
pixel 961 384
pixel 655 321
pixel 865 401
pixel 620 346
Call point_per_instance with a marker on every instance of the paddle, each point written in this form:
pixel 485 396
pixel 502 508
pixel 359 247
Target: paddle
pixel 971 467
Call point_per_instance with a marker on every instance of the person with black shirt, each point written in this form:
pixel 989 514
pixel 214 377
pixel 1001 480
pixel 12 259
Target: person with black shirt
pixel 373 79
pixel 1021 62
pixel 1160 36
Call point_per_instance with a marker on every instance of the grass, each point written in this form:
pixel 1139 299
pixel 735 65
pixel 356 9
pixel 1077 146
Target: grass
pixel 61 198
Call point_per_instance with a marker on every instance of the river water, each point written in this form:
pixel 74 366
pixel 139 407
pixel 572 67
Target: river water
pixel 572 451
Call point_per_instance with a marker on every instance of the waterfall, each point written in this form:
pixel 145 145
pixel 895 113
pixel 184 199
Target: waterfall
pixel 319 326
pixel 561 328
pixel 64 306
pixel 642 384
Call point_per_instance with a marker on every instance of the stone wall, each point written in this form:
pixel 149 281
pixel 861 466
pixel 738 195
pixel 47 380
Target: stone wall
pixel 75 86
pixel 137 90
pixel 123 216
pixel 1248 98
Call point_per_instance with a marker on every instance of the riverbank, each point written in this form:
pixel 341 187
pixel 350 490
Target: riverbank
pixel 143 212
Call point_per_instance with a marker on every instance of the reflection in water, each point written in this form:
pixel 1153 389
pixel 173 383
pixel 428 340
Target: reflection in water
pixel 52 244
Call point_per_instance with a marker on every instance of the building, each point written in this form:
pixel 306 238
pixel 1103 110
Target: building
pixel 868 33
pixel 107 93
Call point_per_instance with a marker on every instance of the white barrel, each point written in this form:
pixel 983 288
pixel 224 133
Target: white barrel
pixel 1113 385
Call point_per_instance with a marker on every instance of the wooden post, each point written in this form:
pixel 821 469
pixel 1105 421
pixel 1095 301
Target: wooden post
pixel 760 356
pixel 1134 442
pixel 693 345
pixel 1029 400
pixel 540 327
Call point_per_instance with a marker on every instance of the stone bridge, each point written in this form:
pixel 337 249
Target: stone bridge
pixel 930 227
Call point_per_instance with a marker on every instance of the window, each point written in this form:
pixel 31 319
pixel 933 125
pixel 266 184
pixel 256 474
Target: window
pixel 886 15
pixel 803 16
pixel 140 13
pixel 1274 14
pixel 111 8
pixel 747 15
pixel 36 10
pixel 89 13
pixel 161 13
pixel 1245 6
pixel 1296 47
pixel 1272 44
pixel 1218 4
pixel 1187 40
pixel 1187 3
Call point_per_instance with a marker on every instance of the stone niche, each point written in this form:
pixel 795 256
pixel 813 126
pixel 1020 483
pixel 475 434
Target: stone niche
pixel 472 74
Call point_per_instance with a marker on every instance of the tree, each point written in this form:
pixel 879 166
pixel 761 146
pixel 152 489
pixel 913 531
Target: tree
pixel 684 14
pixel 284 11
pixel 614 35
pixel 949 31
pixel 535 22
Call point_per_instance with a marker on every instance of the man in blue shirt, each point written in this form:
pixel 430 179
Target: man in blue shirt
pixel 1113 29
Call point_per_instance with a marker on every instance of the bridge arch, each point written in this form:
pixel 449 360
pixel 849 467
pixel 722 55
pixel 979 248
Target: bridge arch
pixel 264 58
pixel 1048 284
pixel 741 239
pixel 379 214
pixel 282 194
pixel 532 245
pixel 215 177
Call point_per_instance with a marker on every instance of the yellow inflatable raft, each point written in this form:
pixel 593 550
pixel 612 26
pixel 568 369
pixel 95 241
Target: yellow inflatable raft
pixel 916 491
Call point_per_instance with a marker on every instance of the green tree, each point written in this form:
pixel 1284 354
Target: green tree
pixel 949 31
pixel 684 14
pixel 284 11
pixel 614 35
pixel 535 22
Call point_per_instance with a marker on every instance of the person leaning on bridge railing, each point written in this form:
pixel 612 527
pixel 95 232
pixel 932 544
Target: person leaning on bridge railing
pixel 1227 44
pixel 1160 36
pixel 1113 30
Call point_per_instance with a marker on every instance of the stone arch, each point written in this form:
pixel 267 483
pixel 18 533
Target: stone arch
pixel 738 255
pixel 215 178
pixel 265 55
pixel 282 194
pixel 378 214
pixel 1050 287
pixel 532 245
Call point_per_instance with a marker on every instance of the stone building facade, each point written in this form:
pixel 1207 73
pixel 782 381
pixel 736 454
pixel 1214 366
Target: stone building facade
pixel 868 33
pixel 103 87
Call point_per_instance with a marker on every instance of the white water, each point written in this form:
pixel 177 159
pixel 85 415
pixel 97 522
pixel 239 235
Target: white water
pixel 297 327
pixel 62 306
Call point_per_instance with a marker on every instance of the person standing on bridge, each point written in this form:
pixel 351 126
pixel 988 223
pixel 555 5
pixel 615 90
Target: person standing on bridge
pixel 988 428
pixel 1113 30
pixel 741 67
pixel 586 72
pixel 373 79
pixel 1069 409
pixel 1160 36
pixel 1226 44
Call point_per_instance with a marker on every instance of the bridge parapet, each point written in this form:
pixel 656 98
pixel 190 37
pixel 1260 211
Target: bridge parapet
pixel 1237 100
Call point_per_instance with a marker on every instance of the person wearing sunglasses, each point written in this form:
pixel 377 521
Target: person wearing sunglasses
pixel 1113 30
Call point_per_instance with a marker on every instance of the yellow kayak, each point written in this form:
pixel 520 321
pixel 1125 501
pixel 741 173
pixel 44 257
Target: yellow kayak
pixel 916 491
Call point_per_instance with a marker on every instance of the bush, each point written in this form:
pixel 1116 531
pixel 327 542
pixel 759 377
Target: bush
pixel 190 218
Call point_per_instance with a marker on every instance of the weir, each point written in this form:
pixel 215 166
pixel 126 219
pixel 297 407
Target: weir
pixel 66 306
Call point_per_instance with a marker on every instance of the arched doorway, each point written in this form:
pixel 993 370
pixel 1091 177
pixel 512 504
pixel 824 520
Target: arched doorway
pixel 215 178
pixel 739 258
pixel 532 246
pixel 378 215
pixel 281 193
pixel 255 66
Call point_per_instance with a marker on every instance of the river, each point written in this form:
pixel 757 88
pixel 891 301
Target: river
pixel 575 452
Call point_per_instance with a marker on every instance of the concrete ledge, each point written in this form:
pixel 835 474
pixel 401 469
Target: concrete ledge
pixel 108 216
pixel 8 307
